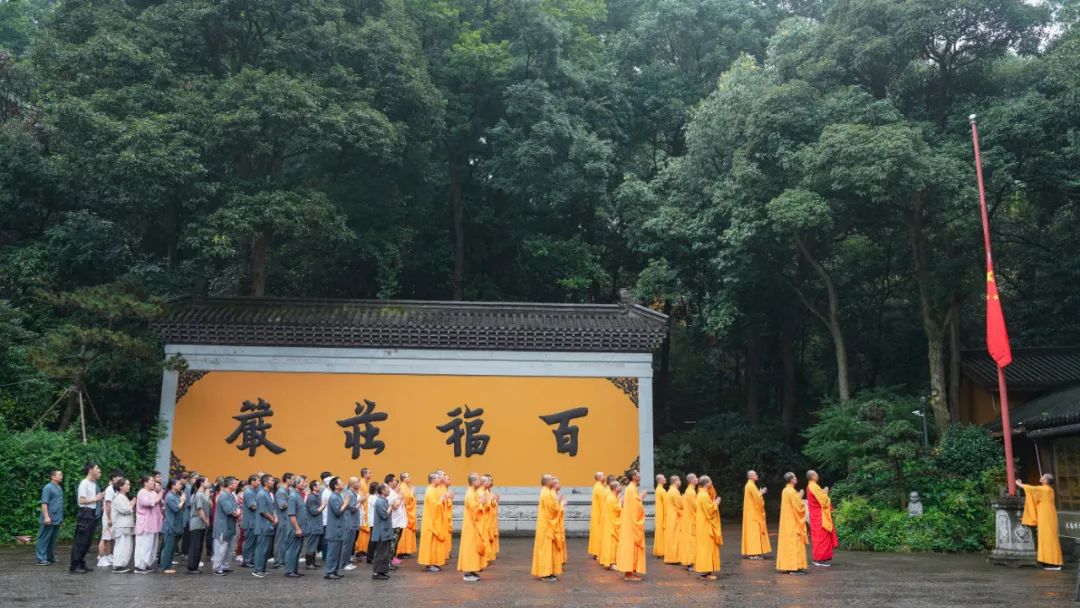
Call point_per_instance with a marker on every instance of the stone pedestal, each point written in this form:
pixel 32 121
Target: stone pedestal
pixel 1015 544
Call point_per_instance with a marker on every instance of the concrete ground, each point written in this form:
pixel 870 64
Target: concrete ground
pixel 863 580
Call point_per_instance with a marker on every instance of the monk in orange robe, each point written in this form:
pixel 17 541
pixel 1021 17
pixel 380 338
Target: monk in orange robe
pixel 609 541
pixel 792 538
pixel 755 531
pixel 708 535
pixel 596 514
pixel 823 537
pixel 472 546
pixel 1039 511
pixel 432 534
pixel 560 524
pixel 407 543
pixel 631 555
pixel 363 538
pixel 494 523
pixel 447 546
pixel 658 518
pixel 673 515
pixel 689 520
pixel 545 563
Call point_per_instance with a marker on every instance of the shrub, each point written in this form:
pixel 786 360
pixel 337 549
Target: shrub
pixel 968 451
pixel 27 457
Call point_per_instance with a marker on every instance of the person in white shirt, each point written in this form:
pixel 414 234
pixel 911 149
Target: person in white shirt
pixel 398 518
pixel 89 499
pixel 105 545
pixel 325 496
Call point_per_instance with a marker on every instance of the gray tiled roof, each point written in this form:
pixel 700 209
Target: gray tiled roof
pixel 412 324
pixel 1032 369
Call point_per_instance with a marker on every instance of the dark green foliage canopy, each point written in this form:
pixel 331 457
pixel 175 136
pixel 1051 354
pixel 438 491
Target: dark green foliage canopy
pixel 792 182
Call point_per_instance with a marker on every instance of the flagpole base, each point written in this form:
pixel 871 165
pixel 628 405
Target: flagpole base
pixel 1015 544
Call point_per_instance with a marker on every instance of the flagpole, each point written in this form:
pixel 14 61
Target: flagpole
pixel 1006 424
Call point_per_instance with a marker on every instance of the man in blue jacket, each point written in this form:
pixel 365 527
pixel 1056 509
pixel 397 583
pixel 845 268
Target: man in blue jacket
pixel 382 535
pixel 52 515
pixel 224 526
pixel 265 524
pixel 247 523
pixel 335 529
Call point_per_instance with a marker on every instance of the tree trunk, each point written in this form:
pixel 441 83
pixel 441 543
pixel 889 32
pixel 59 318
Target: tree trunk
pixel 753 365
pixel 788 395
pixel 258 265
pixel 935 333
pixel 458 205
pixel 663 374
pixel 70 407
pixel 954 360
pixel 831 321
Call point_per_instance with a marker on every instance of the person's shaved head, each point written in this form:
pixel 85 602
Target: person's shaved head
pixel 545 480
pixel 812 475
pixel 599 476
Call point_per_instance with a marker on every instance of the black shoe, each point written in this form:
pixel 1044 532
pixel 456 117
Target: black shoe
pixel 78 570
pixel 333 577
pixel 43 563
pixel 292 575
pixel 194 571
pixel 247 565
pixel 380 577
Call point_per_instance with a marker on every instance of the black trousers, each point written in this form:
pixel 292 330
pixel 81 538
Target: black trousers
pixel 195 548
pixel 381 563
pixel 85 523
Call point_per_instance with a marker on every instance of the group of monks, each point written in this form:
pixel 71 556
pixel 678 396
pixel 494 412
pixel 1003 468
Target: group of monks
pixel 687 531
pixel 479 543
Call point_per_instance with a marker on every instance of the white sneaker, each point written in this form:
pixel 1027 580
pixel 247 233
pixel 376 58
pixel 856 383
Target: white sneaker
pixel 303 560
pixel 470 578
pixel 104 562
pixel 823 564
pixel 239 558
pixel 1051 568
pixel 349 567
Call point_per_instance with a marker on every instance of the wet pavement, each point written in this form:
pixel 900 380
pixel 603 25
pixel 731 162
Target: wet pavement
pixel 857 579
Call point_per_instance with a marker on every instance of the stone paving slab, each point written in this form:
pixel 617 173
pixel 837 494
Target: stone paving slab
pixel 862 580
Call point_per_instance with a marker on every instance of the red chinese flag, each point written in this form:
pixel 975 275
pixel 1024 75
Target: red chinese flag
pixel 997 338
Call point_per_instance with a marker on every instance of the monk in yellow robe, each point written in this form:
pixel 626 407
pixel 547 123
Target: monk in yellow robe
pixel 363 538
pixel 484 521
pixel 596 514
pixel 755 531
pixel 609 541
pixel 432 534
pixel 448 518
pixel 545 565
pixel 673 516
pixel 630 559
pixel 708 535
pixel 472 546
pixel 1040 512
pixel 406 546
pixel 560 523
pixel 658 518
pixel 792 538
pixel 494 521
pixel 686 525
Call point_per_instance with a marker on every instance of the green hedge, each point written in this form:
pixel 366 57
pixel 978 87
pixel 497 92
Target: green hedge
pixel 27 457
pixel 956 517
